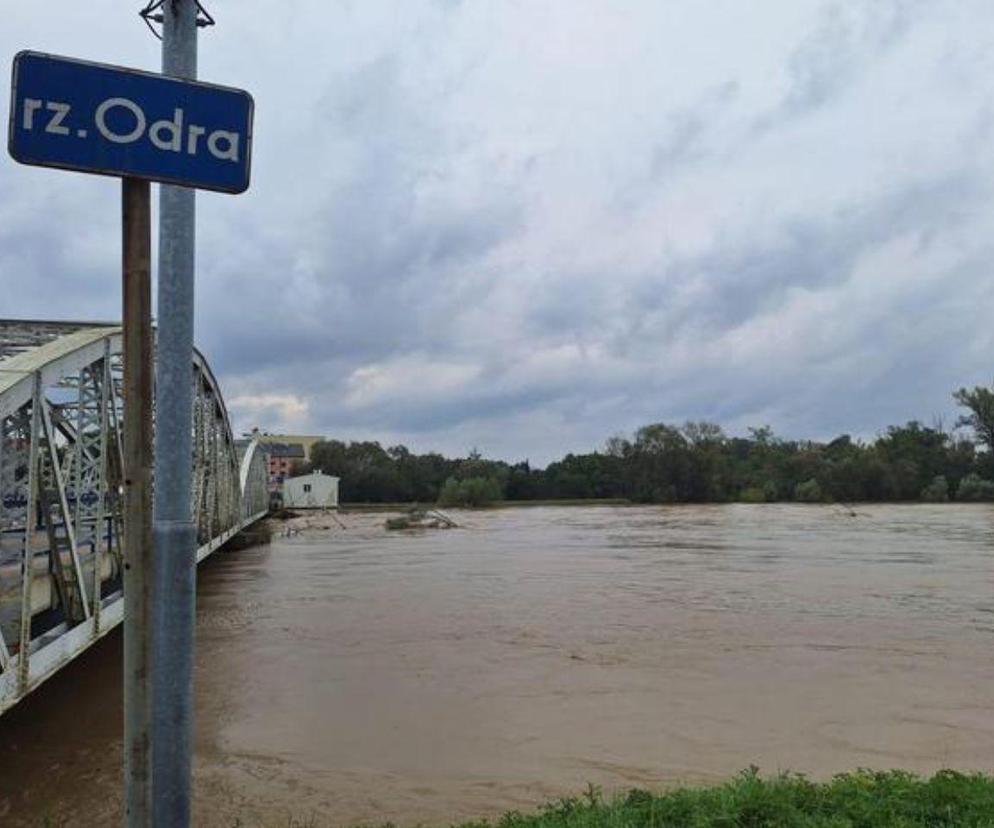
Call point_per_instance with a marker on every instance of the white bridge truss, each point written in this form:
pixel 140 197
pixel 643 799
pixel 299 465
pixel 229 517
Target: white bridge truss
pixel 61 494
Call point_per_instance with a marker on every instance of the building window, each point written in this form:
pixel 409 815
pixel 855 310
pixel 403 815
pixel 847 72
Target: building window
pixel 307 487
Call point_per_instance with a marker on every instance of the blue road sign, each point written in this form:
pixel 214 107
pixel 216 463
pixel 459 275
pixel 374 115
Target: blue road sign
pixel 104 119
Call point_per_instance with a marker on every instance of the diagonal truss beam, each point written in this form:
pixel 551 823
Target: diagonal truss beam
pixel 67 518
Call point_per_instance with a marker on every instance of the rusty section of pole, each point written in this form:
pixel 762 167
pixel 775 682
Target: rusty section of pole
pixel 137 461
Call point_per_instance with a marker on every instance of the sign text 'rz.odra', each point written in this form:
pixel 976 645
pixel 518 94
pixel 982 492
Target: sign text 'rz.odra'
pixel 103 119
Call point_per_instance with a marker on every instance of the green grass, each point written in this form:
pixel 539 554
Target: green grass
pixel 863 799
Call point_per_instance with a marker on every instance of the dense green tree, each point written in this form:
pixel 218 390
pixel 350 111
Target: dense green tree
pixel 808 492
pixel 525 483
pixel 937 491
pixel 915 454
pixel 470 491
pixel 584 475
pixel 658 465
pixel 979 402
pixel 973 488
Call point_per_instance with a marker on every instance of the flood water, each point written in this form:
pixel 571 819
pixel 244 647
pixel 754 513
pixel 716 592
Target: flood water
pixel 356 675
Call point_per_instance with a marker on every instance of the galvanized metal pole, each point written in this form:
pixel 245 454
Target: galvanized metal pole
pixel 137 461
pixel 174 530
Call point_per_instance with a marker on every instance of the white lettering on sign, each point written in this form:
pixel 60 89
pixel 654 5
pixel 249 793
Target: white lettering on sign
pixel 230 138
pixel 55 123
pixel 166 134
pixel 30 105
pixel 195 133
pixel 117 137
pixel 174 127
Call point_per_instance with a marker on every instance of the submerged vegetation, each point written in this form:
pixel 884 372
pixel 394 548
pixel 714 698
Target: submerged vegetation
pixel 417 518
pixel 696 462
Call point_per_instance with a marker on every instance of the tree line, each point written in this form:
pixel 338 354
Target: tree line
pixel 694 463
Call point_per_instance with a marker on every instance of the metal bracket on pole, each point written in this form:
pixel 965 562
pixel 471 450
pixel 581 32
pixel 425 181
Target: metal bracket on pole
pixel 152 13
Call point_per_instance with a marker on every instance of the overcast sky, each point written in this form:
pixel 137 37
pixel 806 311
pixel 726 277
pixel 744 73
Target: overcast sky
pixel 525 226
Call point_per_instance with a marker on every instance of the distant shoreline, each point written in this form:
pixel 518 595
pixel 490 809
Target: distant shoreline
pixel 609 501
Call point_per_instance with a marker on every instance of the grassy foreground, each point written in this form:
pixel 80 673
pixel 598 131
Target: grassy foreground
pixel 864 799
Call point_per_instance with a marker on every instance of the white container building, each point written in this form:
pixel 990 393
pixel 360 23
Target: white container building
pixel 311 491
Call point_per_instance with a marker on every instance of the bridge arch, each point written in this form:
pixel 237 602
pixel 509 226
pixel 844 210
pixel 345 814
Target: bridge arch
pixel 61 493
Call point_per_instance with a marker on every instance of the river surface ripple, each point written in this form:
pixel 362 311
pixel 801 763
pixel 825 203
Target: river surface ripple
pixel 356 675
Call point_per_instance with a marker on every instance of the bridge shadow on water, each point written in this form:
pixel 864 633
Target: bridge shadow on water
pixel 62 745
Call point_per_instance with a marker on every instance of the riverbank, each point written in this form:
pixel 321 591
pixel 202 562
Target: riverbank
pixel 403 506
pixel 863 799
pixel 499 504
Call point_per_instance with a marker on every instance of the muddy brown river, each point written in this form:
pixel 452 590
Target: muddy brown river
pixel 355 675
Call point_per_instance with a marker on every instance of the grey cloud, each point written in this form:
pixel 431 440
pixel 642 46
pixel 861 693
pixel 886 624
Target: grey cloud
pixel 63 274
pixel 810 252
pixel 688 129
pixel 847 41
pixel 583 251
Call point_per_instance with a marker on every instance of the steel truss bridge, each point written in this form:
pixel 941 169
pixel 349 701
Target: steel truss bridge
pixel 61 491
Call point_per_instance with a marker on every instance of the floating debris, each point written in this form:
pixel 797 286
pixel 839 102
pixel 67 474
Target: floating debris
pixel 421 519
